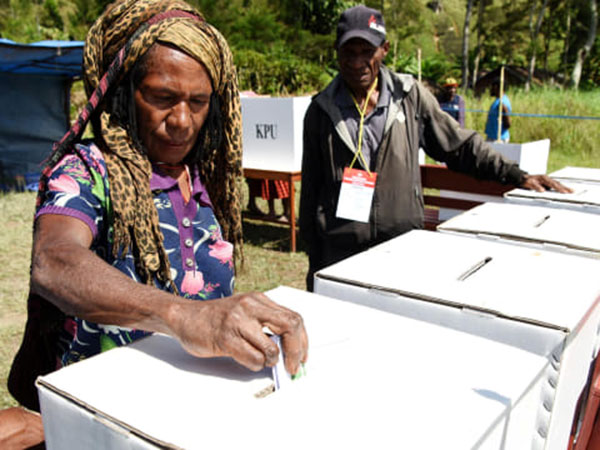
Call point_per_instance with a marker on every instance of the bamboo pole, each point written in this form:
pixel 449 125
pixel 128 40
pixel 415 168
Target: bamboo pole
pixel 501 94
pixel 419 64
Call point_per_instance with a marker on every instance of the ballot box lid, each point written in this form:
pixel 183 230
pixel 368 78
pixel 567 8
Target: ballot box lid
pixel 526 284
pixel 551 228
pixel 585 196
pixel 589 174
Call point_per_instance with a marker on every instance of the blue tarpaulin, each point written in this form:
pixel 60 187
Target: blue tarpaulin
pixel 35 81
pixel 61 58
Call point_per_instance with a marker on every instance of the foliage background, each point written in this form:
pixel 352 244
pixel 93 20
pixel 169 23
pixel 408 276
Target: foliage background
pixel 285 47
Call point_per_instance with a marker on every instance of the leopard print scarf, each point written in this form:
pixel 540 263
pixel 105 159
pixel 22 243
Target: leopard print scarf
pixel 121 35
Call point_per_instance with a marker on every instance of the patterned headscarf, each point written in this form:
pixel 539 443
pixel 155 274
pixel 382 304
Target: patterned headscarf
pixel 122 34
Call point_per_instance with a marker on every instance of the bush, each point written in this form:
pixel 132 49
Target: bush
pixel 278 72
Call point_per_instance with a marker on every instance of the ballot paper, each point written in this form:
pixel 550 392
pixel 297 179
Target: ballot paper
pixel 281 377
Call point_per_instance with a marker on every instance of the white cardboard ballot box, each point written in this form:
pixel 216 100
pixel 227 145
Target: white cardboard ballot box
pixel 516 295
pixel 585 197
pixel 569 173
pixel 547 228
pixel 272 132
pixel 374 380
pixel 531 157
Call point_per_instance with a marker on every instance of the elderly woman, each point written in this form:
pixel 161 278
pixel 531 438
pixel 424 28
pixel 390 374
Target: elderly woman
pixel 135 223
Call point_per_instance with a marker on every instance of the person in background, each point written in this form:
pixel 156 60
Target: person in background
pixel 369 123
pixel 135 229
pixel 269 190
pixel 451 102
pixel 491 125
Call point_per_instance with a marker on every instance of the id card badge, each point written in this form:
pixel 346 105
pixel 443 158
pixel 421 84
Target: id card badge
pixel 356 195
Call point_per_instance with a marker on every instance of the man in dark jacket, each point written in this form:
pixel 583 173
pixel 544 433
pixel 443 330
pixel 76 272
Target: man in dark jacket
pixel 366 128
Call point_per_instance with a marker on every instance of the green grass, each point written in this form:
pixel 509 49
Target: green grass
pixel 572 142
pixel 16 213
pixel 268 263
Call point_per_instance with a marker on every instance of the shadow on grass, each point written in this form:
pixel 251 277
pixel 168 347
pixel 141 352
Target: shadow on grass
pixel 269 235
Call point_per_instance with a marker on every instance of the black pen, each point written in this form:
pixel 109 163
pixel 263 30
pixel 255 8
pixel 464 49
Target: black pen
pixel 474 268
pixel 541 222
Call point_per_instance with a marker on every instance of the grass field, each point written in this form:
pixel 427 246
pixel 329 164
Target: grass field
pixel 572 142
pixel 268 262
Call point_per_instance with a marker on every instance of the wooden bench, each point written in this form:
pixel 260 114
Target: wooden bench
pixel 440 177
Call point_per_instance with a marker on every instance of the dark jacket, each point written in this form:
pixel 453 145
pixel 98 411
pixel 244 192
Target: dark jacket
pixel 414 120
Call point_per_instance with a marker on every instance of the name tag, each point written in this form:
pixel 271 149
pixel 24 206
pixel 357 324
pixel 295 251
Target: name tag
pixel 356 195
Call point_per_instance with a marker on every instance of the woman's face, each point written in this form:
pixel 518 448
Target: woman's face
pixel 171 102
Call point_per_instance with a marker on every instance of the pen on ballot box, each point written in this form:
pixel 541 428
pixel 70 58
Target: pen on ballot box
pixel 474 268
pixel 541 221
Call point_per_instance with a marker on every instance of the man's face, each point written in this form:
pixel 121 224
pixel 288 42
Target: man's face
pixel 359 63
pixel 495 90
pixel 451 90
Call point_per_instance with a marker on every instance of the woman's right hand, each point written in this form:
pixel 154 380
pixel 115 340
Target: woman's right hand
pixel 233 327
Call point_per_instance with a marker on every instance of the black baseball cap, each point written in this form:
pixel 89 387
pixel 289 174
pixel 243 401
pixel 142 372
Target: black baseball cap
pixel 361 22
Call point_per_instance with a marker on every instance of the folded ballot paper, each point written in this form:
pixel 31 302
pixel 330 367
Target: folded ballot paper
pixel 281 377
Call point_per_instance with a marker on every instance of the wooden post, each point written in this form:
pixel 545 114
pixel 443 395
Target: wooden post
pixel 419 64
pixel 501 93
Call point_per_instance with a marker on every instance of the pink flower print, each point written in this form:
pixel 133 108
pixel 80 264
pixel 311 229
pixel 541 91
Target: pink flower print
pixel 65 161
pixel 193 282
pixel 222 250
pixel 70 326
pixel 64 183
pixel 97 155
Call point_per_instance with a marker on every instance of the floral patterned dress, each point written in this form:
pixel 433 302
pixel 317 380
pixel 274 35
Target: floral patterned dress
pixel 201 261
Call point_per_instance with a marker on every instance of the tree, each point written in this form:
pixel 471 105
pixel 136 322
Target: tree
pixel 583 52
pixel 533 34
pixel 478 48
pixel 465 47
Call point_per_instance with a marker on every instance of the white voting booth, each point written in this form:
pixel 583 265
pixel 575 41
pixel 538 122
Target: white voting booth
pixel 374 380
pixel 547 228
pixel 532 157
pixel 585 197
pixel 272 132
pixel 542 302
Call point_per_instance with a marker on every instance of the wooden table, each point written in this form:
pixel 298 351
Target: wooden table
pixel 290 178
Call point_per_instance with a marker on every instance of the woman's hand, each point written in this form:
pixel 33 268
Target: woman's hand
pixel 233 327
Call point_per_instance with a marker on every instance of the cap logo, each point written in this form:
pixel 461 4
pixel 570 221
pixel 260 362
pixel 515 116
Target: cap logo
pixel 375 26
